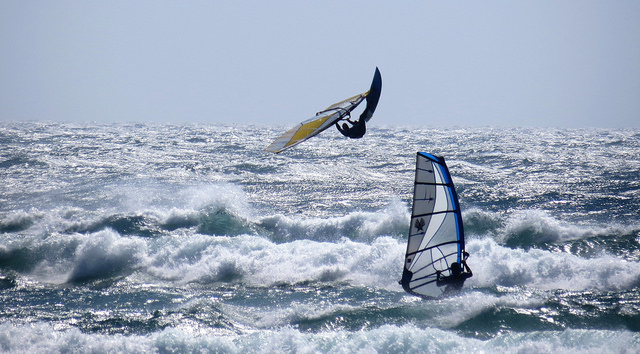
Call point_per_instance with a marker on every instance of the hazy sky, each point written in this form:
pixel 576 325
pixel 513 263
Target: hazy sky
pixel 443 63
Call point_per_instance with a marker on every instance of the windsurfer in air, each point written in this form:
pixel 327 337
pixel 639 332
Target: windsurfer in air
pixel 359 128
pixel 458 275
pixel 356 130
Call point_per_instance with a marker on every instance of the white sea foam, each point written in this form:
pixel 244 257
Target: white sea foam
pixel 258 261
pixel 361 226
pixel 494 264
pixel 104 255
pixel 530 227
pixel 42 338
pixel 261 262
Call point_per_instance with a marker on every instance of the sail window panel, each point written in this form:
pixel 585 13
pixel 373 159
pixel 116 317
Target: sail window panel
pixel 450 228
pixel 414 242
pixel 438 174
pixel 442 231
pixel 430 289
pixel 425 172
pixel 422 265
pixel 424 274
pixel 442 200
pixel 448 231
pixel 451 252
pixel 434 226
pixel 422 259
pixel 433 259
pixel 424 199
pixel 438 258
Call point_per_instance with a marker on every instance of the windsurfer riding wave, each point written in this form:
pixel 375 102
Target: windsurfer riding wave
pixel 458 275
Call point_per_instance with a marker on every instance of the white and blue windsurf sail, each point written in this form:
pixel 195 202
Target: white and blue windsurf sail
pixel 436 236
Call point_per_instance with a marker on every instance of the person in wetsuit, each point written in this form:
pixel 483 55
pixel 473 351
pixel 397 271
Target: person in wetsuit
pixel 355 131
pixel 458 275
pixel 359 128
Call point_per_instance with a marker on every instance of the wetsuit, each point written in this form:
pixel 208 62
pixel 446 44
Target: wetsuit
pixel 455 281
pixel 356 131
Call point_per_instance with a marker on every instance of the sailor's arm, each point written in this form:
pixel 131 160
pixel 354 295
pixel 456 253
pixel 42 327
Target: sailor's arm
pixel 464 264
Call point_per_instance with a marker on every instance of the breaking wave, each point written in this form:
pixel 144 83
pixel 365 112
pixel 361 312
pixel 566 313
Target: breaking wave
pixel 41 337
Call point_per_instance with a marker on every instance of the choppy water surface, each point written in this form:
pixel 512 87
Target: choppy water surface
pixel 160 238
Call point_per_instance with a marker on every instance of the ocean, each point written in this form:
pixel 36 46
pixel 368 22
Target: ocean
pixel 159 238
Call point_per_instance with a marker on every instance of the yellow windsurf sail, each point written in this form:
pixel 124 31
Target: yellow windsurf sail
pixel 328 117
pixel 315 125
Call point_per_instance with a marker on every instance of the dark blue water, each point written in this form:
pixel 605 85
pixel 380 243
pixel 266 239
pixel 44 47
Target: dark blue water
pixel 164 238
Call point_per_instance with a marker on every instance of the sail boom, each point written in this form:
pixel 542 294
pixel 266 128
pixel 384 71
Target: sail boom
pixel 421 285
